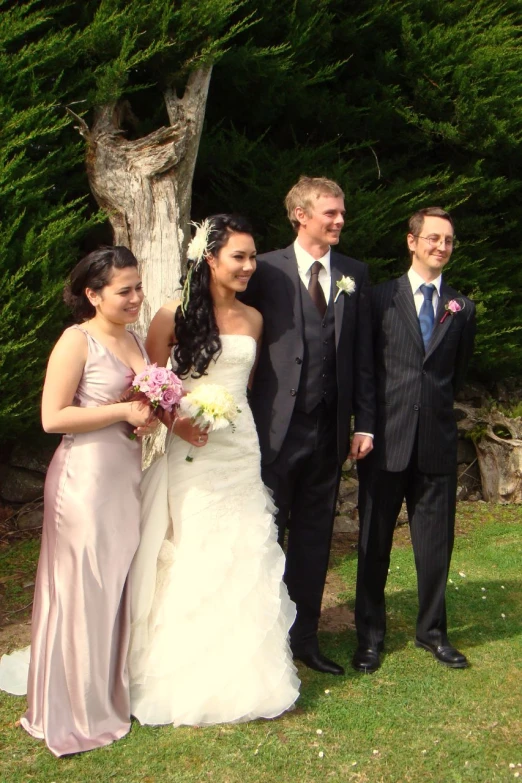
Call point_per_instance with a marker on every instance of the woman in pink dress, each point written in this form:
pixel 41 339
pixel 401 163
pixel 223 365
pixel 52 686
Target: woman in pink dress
pixel 78 691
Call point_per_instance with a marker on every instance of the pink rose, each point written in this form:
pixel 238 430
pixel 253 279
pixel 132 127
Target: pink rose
pixel 160 376
pixel 168 399
pixel 454 306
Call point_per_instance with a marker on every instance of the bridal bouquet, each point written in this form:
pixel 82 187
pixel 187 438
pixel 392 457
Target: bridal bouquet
pixel 209 406
pixel 156 386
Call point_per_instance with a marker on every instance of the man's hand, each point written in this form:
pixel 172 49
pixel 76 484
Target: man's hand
pixel 361 446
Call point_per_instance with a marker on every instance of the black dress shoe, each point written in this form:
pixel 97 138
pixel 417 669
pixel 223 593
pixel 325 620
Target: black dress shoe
pixel 445 653
pixel 315 660
pixel 367 659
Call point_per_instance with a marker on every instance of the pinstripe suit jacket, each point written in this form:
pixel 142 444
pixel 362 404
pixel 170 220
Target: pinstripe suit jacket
pixel 415 388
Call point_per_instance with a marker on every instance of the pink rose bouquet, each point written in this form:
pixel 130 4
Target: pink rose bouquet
pixel 156 386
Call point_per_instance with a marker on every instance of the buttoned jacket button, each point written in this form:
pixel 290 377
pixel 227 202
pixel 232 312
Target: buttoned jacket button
pixel 298 360
pixel 293 392
pixel 424 372
pixel 416 407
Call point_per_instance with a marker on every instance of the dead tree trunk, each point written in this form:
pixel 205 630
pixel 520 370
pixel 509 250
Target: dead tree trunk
pixel 145 187
pixel 499 452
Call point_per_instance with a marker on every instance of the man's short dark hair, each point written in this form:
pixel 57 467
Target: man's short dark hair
pixel 416 221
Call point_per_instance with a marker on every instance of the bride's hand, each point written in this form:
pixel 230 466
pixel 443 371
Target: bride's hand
pixel 147 429
pixel 184 429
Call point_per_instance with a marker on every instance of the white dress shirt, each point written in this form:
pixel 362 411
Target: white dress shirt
pixel 416 281
pixel 304 266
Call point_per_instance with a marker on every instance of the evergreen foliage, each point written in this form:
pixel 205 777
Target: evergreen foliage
pixel 57 54
pixel 405 102
pixel 425 108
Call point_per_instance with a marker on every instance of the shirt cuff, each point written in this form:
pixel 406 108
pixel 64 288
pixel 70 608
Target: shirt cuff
pixel 369 434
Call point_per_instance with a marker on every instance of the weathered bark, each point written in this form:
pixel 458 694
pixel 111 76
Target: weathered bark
pixel 145 187
pixel 499 452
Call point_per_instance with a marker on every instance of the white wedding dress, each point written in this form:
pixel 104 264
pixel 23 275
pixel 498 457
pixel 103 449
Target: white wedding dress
pixel 210 612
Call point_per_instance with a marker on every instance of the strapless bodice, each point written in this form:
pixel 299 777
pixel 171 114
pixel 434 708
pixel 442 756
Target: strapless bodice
pixel 232 367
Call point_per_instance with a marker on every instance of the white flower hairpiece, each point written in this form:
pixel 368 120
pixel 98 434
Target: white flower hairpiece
pixel 198 245
pixel 346 285
pixel 196 252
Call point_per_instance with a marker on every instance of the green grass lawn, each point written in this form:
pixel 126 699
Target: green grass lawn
pixel 413 720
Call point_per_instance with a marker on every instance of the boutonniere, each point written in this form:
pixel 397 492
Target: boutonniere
pixel 452 307
pixel 346 285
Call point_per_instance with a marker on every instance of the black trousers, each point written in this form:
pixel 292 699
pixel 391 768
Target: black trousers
pixel 430 500
pixel 305 480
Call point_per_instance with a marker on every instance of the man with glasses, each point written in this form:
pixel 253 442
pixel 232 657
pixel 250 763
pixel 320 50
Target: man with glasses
pixel 423 333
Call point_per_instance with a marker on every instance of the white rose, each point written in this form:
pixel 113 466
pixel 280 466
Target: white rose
pixel 346 285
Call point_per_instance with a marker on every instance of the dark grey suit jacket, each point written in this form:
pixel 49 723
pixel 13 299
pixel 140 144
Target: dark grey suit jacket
pixel 415 389
pixel 275 290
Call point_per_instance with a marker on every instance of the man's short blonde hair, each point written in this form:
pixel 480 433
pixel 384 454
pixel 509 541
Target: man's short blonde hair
pixel 305 192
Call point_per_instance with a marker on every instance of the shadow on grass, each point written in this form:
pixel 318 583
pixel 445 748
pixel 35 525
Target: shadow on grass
pixel 474 613
pixel 475 619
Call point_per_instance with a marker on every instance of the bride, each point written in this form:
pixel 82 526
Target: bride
pixel 211 613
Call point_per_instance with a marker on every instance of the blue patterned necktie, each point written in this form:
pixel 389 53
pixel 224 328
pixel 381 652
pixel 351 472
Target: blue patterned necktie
pixel 426 314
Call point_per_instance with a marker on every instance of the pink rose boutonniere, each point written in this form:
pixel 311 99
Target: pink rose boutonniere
pixel 452 307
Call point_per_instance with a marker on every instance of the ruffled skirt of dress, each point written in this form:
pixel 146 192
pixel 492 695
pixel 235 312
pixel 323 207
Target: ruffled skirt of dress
pixel 210 626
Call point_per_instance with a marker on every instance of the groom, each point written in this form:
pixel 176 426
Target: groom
pixel 314 370
pixel 423 334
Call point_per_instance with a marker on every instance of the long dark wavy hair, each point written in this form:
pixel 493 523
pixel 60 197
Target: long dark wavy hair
pixel 95 272
pixel 197 333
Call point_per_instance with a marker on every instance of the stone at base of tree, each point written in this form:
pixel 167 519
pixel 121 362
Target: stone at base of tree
pixel 499 451
pixel 28 520
pixel 468 480
pixel 348 490
pixel 348 466
pixel 21 486
pixel 347 508
pixel 35 455
pixel 466 452
pixel 345 524
pixel 402 519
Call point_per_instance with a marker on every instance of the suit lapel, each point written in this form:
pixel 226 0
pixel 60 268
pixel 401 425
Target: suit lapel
pixel 405 305
pixel 339 305
pixel 440 329
pixel 293 286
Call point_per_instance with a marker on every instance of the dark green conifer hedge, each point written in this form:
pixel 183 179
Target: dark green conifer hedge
pixel 406 103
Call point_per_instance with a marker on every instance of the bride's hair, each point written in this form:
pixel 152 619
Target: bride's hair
pixel 95 272
pixel 197 333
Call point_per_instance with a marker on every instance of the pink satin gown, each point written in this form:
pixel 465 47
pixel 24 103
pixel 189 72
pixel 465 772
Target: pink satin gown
pixel 78 691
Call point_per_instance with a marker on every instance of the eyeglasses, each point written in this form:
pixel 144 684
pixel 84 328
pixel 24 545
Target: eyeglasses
pixel 434 240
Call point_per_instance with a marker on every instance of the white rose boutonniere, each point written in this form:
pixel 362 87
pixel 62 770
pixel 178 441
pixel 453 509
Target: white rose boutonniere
pixel 346 285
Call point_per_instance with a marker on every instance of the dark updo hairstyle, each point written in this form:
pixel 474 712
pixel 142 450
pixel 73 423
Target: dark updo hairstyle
pixel 197 334
pixel 94 272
